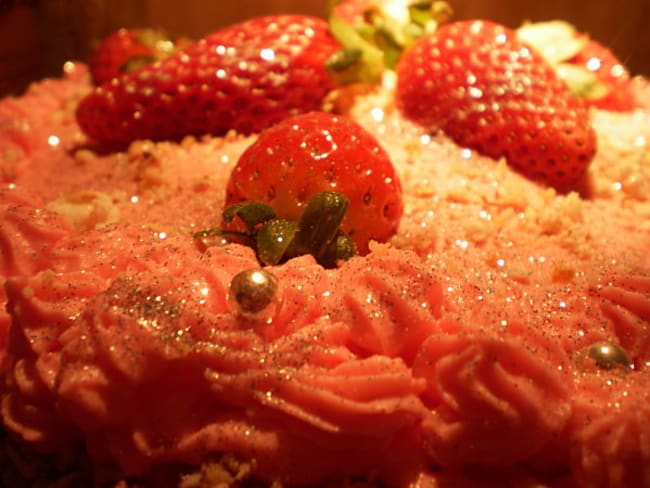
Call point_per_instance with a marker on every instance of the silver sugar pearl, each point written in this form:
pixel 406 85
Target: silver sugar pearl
pixel 253 292
pixel 608 355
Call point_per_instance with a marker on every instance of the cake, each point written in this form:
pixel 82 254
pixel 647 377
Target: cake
pixel 498 336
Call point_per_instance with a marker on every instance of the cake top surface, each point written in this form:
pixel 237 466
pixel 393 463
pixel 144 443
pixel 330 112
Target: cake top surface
pixel 496 333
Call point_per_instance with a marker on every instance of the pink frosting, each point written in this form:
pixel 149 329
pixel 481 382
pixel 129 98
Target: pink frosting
pixel 22 123
pixel 625 301
pixel 128 341
pixel 496 399
pixel 609 430
pixel 125 340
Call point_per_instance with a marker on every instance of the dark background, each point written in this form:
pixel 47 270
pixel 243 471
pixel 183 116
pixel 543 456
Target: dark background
pixel 37 36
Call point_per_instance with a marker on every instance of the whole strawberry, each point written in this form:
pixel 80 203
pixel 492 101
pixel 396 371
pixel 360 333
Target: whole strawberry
pixel 127 49
pixel 493 93
pixel 617 93
pixel 591 70
pixel 318 152
pixel 245 77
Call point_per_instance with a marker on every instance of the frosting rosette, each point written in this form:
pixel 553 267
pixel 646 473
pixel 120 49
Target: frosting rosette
pixel 131 344
pixel 609 436
pixel 495 398
pixel 624 299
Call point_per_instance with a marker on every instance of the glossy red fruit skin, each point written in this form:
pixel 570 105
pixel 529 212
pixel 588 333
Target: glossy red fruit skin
pixel 316 152
pixel 488 91
pixel 609 70
pixel 116 49
pixel 245 77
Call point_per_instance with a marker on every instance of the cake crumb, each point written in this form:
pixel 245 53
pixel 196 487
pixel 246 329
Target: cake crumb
pixel 225 473
pixel 87 209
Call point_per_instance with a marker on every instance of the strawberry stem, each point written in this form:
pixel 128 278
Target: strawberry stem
pixel 428 15
pixel 214 237
pixel 252 214
pixel 359 60
pixel 344 59
pixel 273 240
pixel 377 43
pixel 136 62
pixel 320 221
pixel 276 240
pixel 558 42
pixel 341 248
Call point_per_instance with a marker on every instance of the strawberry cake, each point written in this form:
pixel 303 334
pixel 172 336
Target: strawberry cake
pixel 297 259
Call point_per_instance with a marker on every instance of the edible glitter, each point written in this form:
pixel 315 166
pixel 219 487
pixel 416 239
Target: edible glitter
pixel 475 92
pixel 377 114
pixel 466 153
pixel 617 71
pixel 593 64
pixel 485 215
pixel 68 67
pixel 267 54
pixel 53 140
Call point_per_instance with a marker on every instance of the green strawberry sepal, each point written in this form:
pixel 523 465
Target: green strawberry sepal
pixel 378 42
pixel 275 240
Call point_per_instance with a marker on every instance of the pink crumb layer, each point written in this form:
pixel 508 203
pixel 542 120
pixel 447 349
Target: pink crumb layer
pixel 456 353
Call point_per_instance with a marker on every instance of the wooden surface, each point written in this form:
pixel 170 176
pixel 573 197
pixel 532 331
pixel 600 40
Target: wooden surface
pixel 36 40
